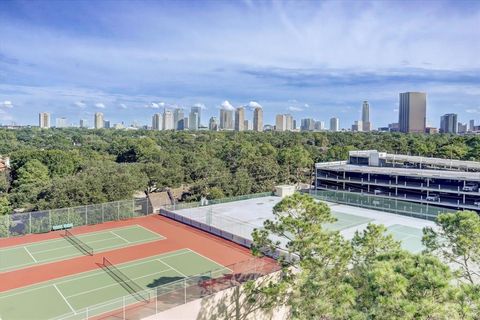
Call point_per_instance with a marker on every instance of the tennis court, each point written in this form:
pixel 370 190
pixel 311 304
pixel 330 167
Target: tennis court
pixel 411 238
pixel 345 221
pixel 17 257
pixel 70 296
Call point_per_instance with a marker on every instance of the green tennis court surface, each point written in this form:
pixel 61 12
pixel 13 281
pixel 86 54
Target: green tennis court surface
pixel 411 238
pixel 68 297
pixel 59 249
pixel 345 221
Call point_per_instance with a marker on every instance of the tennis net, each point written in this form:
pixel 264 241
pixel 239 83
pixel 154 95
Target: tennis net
pixel 82 246
pixel 128 284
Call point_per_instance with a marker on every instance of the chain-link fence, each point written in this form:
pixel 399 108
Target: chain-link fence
pixel 178 292
pixel 407 208
pixel 44 221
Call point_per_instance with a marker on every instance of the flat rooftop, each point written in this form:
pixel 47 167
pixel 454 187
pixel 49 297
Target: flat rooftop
pixel 241 217
pixel 410 172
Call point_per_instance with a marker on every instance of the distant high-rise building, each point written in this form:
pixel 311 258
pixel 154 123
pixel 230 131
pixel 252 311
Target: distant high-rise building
pixel 186 123
pixel 448 123
pixel 366 126
pixel 393 127
pixel 106 124
pixel 83 123
pixel 98 120
pixel 213 124
pixel 226 119
pixel 471 125
pixel 357 126
pixel 258 119
pixel 248 125
pixel 294 124
pixel 280 122
pixel 288 122
pixel 240 119
pixel 307 124
pixel 193 121
pixel 198 110
pixel 168 120
pixel 178 116
pixel 44 120
pixel 334 124
pixel 412 116
pixel 61 122
pixel 319 125
pixel 157 121
pixel 462 128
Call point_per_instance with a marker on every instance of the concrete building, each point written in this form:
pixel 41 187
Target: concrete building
pixel 106 124
pixel 198 110
pixel 280 122
pixel 178 116
pixel 462 128
pixel 226 119
pixel 157 121
pixel 186 123
pixel 319 125
pixel 83 123
pixel 44 120
pixel 288 122
pixel 98 120
pixel 412 116
pixel 437 182
pixel 366 124
pixel 193 121
pixel 471 125
pixel 248 125
pixel 307 124
pixel 168 120
pixel 240 119
pixel 258 119
pixel 357 126
pixel 334 124
pixel 448 123
pixel 213 124
pixel 61 122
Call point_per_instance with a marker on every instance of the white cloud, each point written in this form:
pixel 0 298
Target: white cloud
pixel 80 104
pixel 6 104
pixel 306 105
pixel 253 104
pixel 123 106
pixel 152 105
pixel 473 110
pixel 226 105
pixel 294 109
pixel 99 105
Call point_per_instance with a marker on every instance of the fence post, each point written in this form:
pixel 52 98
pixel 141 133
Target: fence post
pixel 118 210
pixel 156 301
pixel 86 215
pixel 185 289
pixel 30 222
pixel 124 316
pixel 86 314
pixel 103 218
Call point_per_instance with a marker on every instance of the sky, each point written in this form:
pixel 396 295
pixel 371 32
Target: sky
pixel 312 59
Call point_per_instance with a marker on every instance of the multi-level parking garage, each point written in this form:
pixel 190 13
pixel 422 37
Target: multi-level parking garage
pixel 431 181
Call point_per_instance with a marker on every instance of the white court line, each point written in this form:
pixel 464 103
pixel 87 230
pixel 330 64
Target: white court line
pixel 64 299
pixel 88 274
pixel 182 274
pixel 31 256
pixel 81 235
pixel 215 262
pixel 120 237
pixel 72 254
pixel 150 231
pixel 116 284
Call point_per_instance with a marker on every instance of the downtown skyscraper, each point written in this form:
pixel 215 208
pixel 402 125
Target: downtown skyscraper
pixel 412 115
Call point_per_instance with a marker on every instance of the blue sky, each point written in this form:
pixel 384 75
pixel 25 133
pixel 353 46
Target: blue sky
pixel 311 59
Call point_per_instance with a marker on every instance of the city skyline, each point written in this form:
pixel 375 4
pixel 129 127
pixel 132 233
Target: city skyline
pixel 84 61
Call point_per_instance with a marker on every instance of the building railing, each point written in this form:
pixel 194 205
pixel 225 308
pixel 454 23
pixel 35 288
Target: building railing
pixel 18 224
pixel 406 208
pixel 178 292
